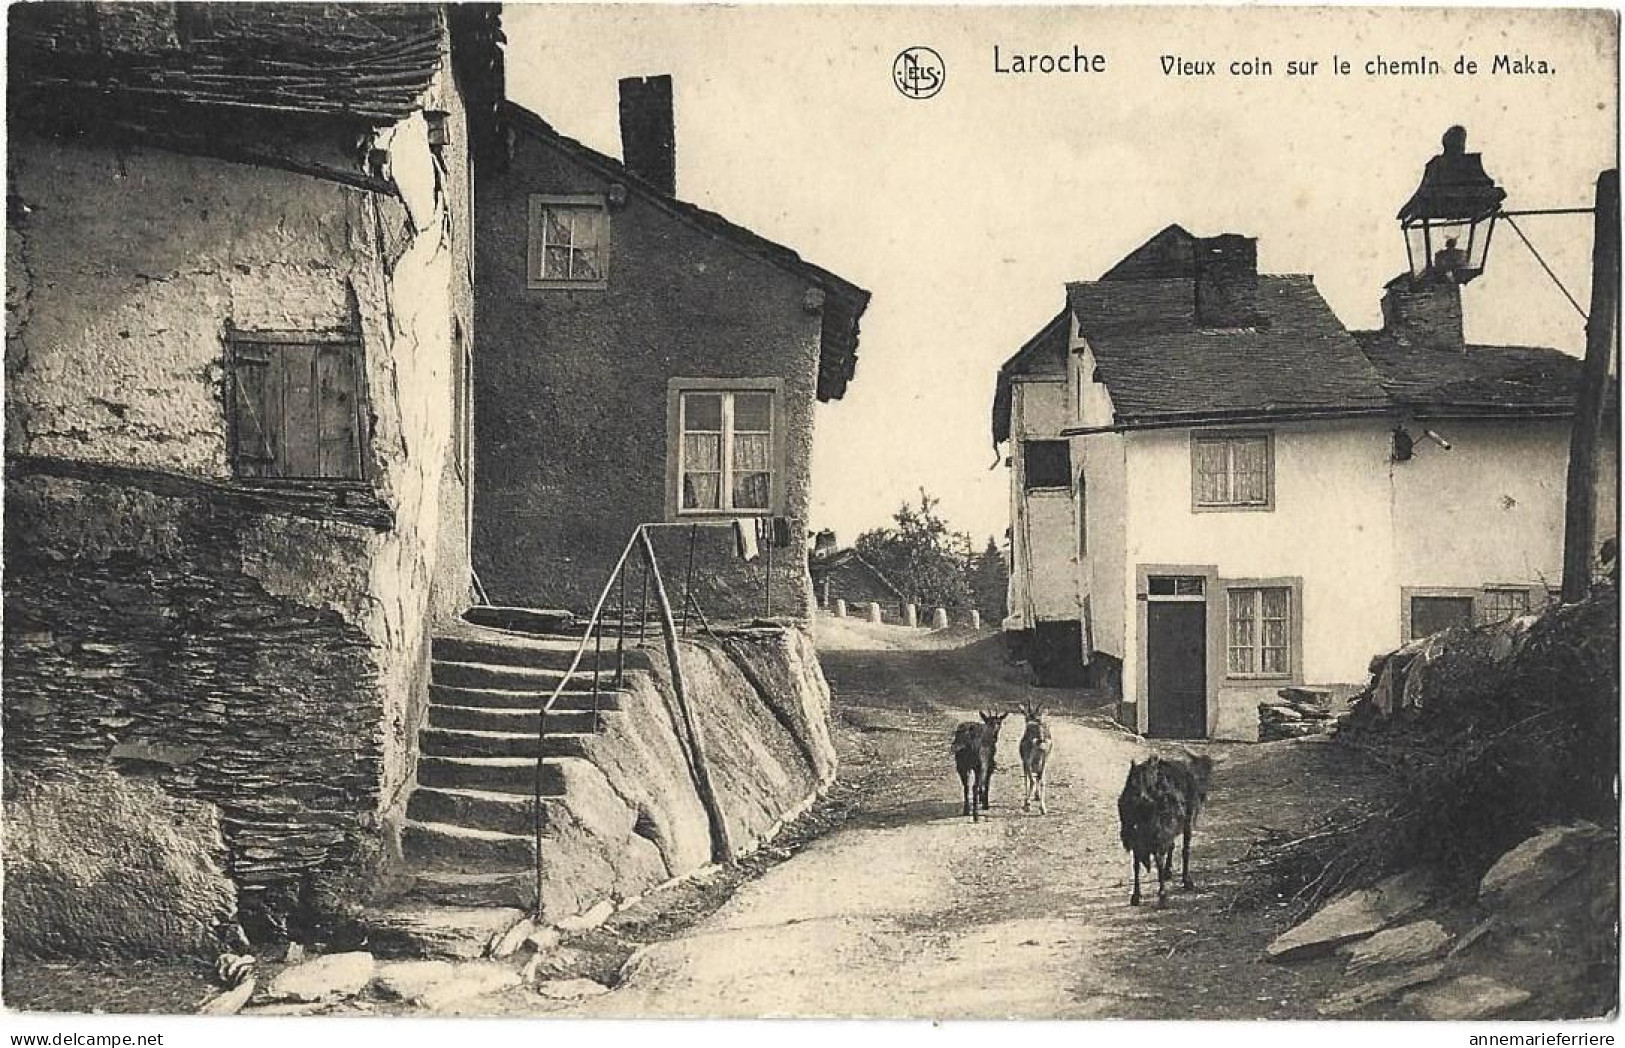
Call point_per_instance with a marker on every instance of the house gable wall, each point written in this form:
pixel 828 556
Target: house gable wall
pixel 571 396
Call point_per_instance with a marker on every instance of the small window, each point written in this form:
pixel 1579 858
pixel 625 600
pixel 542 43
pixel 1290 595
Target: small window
pixel 296 407
pixel 1260 632
pixel 727 454
pixel 568 243
pixel 1499 605
pixel 1046 464
pixel 1430 615
pixel 1232 471
pixel 1176 585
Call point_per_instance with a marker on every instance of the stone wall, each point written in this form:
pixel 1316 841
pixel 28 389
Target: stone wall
pixel 632 817
pixel 261 649
pixel 571 395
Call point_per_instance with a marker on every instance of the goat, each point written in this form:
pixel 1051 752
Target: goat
pixel 1035 746
pixel 974 745
pixel 1158 805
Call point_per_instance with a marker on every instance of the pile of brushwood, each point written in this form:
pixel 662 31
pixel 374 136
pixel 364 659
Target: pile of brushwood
pixel 1502 730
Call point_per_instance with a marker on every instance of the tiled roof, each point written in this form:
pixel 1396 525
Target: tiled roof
pixel 1160 366
pixel 820 566
pixel 187 61
pixel 1479 380
pixel 845 301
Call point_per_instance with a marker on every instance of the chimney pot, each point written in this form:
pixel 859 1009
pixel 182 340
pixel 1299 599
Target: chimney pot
pixel 1424 311
pixel 1227 281
pixel 648 131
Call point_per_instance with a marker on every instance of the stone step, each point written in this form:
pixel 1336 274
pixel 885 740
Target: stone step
pixel 521 698
pixel 498 774
pixel 552 653
pixel 502 888
pixel 517 722
pixel 513 678
pixel 446 742
pixel 442 846
pixel 476 809
pixel 520 620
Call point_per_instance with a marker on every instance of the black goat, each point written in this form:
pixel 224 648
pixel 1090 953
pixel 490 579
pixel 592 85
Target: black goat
pixel 974 746
pixel 1158 805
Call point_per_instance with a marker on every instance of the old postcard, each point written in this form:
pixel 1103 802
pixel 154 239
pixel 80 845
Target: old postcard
pixel 930 512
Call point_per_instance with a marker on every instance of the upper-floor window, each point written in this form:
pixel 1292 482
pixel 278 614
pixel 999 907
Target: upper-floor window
pixel 1046 464
pixel 295 405
pixel 1232 471
pixel 727 455
pixel 568 243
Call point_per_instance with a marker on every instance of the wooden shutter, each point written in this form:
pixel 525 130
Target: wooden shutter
pixel 338 413
pixel 297 408
pixel 252 451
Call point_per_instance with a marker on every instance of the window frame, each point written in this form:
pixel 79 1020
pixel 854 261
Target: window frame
pixel 1230 436
pixel 240 342
pixel 1293 586
pixel 676 390
pixel 1027 485
pixel 536 206
pixel 1538 595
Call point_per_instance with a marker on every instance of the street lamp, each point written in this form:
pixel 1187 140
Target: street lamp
pixel 1457 200
pixel 1448 221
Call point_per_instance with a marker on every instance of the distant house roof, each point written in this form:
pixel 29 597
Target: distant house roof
pixel 819 567
pixel 371 62
pixel 1477 381
pixel 1044 353
pixel 844 303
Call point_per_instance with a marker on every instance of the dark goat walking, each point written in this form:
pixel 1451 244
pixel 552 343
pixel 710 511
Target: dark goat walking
pixel 974 745
pixel 1158 805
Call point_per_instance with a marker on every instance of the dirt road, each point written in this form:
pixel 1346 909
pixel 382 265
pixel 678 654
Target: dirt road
pixel 913 910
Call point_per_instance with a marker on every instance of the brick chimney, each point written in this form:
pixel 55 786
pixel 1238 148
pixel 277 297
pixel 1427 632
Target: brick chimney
pixel 1423 311
pixel 648 131
pixel 1227 281
pixel 824 542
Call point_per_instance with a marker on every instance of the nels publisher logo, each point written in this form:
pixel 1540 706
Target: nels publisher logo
pixel 918 72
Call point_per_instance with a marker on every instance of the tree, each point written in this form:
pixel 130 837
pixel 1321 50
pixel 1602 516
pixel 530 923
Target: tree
pixel 922 556
pixel 990 583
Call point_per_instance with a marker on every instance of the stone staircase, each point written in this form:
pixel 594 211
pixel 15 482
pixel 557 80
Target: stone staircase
pixel 469 838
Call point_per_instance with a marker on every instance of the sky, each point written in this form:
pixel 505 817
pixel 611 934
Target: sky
pixel 966 213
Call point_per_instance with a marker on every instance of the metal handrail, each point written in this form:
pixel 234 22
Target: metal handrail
pixel 593 634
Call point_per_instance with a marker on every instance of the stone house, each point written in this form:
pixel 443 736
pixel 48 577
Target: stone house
pixel 846 575
pixel 238 411
pixel 640 359
pixel 1218 491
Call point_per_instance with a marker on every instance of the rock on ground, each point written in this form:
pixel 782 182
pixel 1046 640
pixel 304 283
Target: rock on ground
pixel 329 978
pixel 1373 991
pixel 1406 944
pixel 1466 997
pixel 1523 880
pixel 1352 916
pixel 570 989
pixel 436 984
pixel 458 932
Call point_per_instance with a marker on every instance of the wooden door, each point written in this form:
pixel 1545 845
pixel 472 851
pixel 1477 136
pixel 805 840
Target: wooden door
pixel 1176 669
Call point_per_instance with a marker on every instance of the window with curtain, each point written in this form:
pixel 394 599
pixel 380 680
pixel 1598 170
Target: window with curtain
pixel 1259 640
pixel 726 461
pixel 1235 470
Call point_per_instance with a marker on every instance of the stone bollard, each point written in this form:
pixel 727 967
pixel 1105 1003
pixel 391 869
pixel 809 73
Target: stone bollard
pixel 911 615
pixel 874 611
pixel 840 608
pixel 975 619
pixel 939 618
